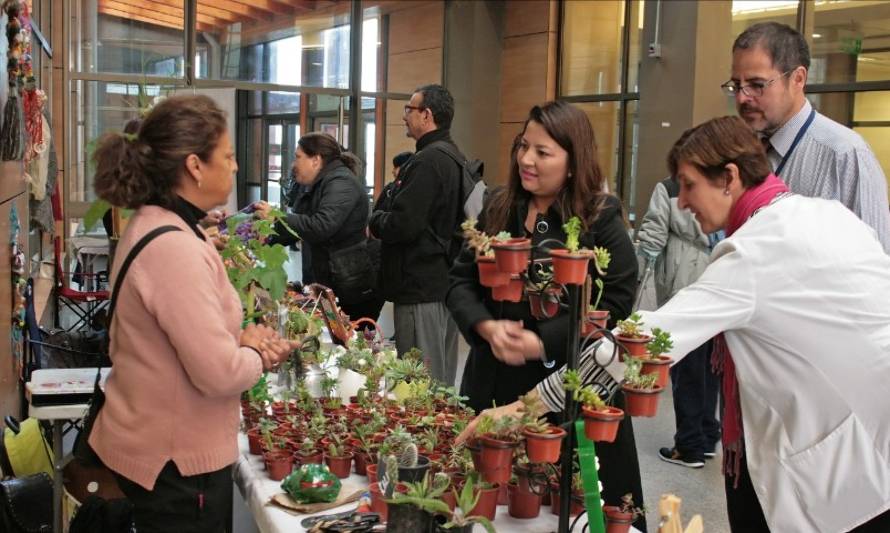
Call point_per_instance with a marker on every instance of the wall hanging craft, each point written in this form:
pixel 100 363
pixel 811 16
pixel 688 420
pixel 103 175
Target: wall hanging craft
pixel 21 78
pixel 19 286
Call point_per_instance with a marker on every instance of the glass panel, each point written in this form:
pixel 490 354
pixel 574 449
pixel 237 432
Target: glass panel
pixel 395 137
pixel 604 117
pixel 324 116
pixel 282 102
pixel 368 141
pixel 869 115
pixel 849 42
pixel 749 12
pixel 635 54
pixel 591 49
pixel 250 169
pixel 631 146
pixel 144 37
pixel 289 42
pixel 254 102
pixel 97 108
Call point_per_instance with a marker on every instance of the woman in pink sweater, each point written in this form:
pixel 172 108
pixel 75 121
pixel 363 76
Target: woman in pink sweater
pixel 169 425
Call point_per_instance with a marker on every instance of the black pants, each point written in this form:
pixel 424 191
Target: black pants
pixel 746 514
pixel 695 390
pixel 619 469
pixel 193 504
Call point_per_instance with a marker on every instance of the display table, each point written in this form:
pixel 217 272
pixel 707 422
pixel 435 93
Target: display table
pixel 257 490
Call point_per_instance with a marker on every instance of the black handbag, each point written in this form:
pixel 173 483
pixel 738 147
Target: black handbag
pixel 27 504
pixel 353 271
pixel 82 449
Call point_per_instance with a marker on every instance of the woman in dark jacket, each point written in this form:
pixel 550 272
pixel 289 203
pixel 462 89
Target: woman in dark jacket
pixel 331 219
pixel 554 175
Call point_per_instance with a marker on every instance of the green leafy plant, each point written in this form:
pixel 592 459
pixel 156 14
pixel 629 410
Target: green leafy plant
pixel 661 342
pixel 627 506
pixel 466 501
pixel 531 407
pixel 505 428
pixel 477 239
pixel 631 327
pixel 585 395
pixel 572 229
pixel 336 447
pixel 634 378
pixel 602 258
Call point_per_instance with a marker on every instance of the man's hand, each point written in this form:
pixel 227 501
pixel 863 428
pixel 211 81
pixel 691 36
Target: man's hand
pixel 262 209
pixel 213 218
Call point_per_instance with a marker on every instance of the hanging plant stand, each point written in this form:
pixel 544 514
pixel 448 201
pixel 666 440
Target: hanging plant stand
pixel 489 275
pixel 544 303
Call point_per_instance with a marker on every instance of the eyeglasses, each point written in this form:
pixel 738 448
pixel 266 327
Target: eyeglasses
pixel 754 89
pixel 409 108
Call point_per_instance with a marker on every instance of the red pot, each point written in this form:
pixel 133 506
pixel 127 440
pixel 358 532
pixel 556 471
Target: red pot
pixel 361 463
pixel 661 366
pixel 593 321
pixel 601 426
pixel 544 304
pixel 378 504
pixel 339 466
pixel 511 292
pixel 497 459
pixel 577 506
pixel 523 504
pixel 487 504
pixel 449 499
pixel 255 441
pixel 635 346
pixel 278 464
pixel 569 268
pixel 371 471
pixel 641 402
pixel 511 256
pixel 310 458
pixel 489 275
pixel 616 521
pixel 544 447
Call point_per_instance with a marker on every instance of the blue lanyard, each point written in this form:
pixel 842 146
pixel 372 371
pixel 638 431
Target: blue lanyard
pixel 796 140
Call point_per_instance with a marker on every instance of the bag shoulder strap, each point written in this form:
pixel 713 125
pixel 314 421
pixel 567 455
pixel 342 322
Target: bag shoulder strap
pixel 143 242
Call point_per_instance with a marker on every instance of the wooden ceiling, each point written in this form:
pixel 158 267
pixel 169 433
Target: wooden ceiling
pixel 213 15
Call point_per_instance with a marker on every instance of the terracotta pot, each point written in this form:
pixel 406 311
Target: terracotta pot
pixel 339 466
pixel 523 504
pixel 475 448
pixel 635 346
pixel 544 447
pixel 511 256
pixel 378 505
pixel 254 441
pixel 449 499
pixel 592 321
pixel 371 471
pixel 362 461
pixel 602 425
pixel 661 365
pixel 569 268
pixel 278 464
pixel 488 503
pixel 489 275
pixel 308 458
pixel 641 402
pixel 497 458
pixel 577 506
pixel 511 292
pixel 616 521
pixel 544 305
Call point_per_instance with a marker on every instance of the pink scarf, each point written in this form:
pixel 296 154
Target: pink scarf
pixel 721 360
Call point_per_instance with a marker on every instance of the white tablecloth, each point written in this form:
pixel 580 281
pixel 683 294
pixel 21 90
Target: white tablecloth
pixel 257 490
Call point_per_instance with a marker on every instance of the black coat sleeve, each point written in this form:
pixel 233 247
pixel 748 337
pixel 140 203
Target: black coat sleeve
pixel 338 199
pixel 465 298
pixel 620 281
pixel 411 209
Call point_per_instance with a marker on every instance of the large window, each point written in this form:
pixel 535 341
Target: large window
pixel 599 71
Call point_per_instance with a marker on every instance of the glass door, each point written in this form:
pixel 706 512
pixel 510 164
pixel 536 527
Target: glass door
pixel 281 143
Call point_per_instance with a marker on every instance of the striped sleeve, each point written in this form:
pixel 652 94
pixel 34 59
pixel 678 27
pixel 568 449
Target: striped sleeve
pixel 606 374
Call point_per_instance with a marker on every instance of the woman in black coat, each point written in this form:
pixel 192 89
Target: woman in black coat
pixel 331 219
pixel 554 175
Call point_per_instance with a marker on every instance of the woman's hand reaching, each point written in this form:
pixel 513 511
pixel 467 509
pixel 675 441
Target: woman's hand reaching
pixel 511 409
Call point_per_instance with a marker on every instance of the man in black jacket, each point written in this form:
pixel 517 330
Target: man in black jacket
pixel 416 229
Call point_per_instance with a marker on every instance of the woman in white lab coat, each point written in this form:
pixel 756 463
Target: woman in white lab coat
pixel 800 290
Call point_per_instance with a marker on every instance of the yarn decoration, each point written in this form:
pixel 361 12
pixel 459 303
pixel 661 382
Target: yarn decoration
pixel 21 78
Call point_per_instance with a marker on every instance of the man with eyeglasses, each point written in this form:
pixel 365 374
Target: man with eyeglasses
pixel 416 227
pixel 813 154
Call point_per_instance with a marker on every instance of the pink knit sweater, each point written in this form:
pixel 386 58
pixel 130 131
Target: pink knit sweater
pixel 178 369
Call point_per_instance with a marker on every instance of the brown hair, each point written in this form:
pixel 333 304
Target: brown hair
pixel 583 194
pixel 712 145
pixel 132 171
pixel 321 144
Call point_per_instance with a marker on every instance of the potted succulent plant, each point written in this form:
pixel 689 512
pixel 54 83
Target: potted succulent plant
pixel 543 295
pixel 656 361
pixel 577 506
pixel 570 263
pixel 464 515
pixel 511 255
pixel 620 517
pixel 307 453
pixel 509 292
pixel 338 458
pixel 413 510
pixel 498 438
pixel 596 318
pixel 489 275
pixel 279 462
pixel 600 420
pixel 543 440
pixel 640 391
pixel 631 335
